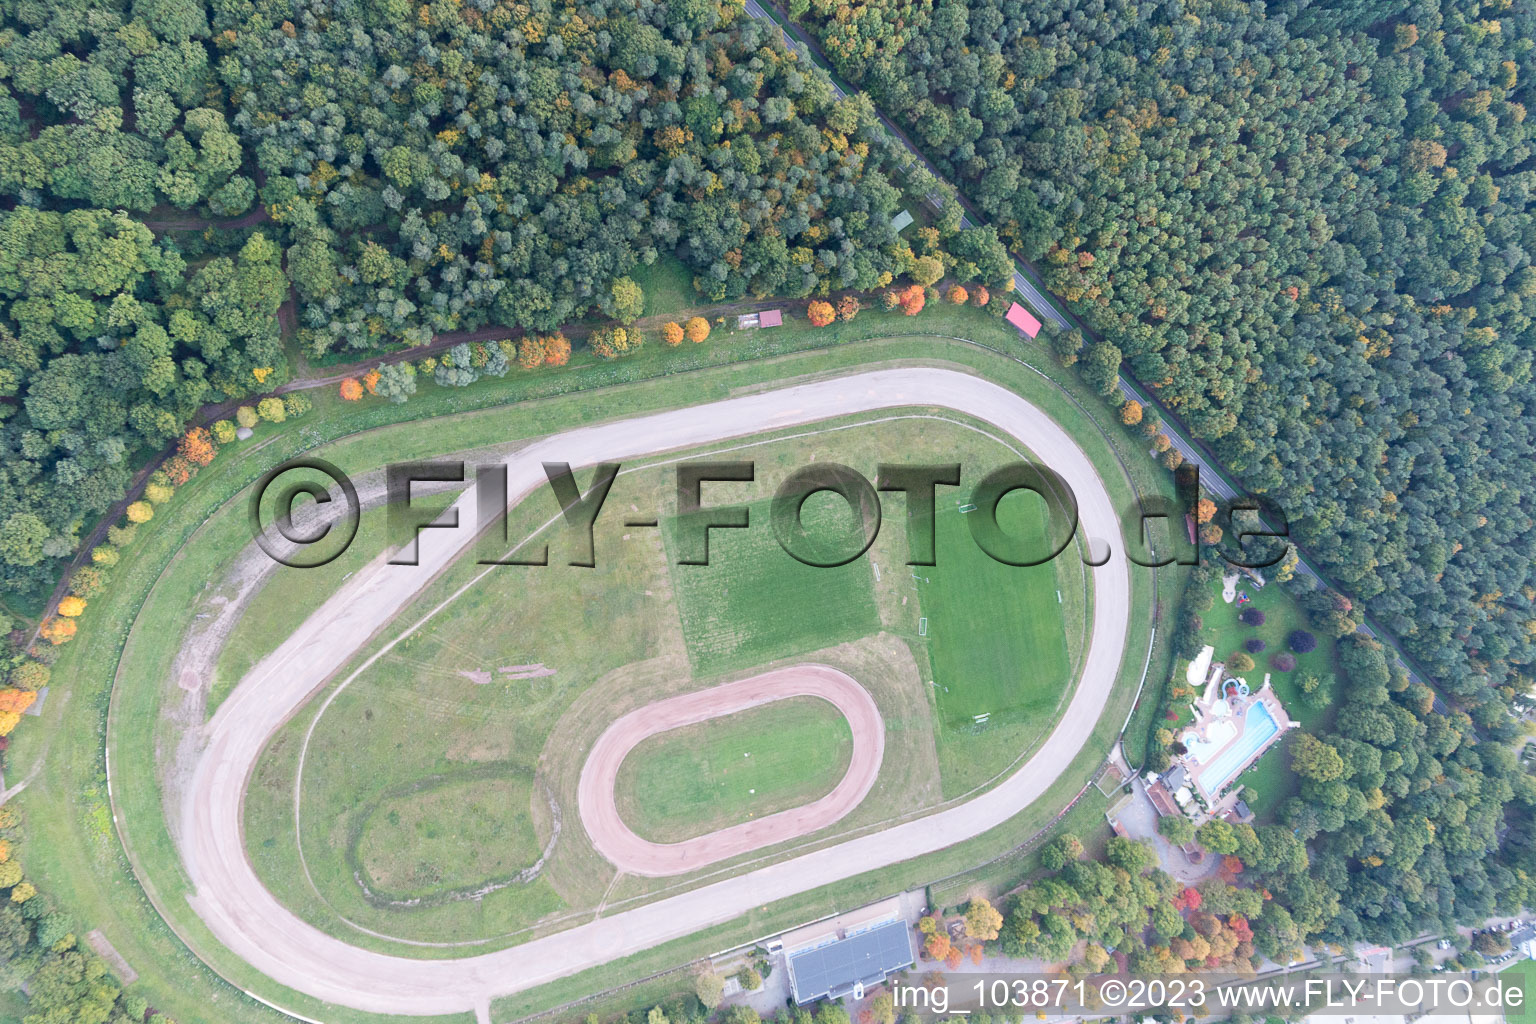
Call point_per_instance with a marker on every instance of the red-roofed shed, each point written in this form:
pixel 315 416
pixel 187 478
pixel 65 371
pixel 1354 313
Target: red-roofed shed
pixel 1023 320
pixel 771 318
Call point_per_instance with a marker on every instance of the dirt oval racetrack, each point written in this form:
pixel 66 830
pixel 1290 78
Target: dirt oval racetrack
pixel 599 775
pixel 243 915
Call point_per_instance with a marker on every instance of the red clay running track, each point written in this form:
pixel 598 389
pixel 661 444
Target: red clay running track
pixel 628 852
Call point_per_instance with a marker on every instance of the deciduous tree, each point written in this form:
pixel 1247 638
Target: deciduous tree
pixel 927 270
pixel 628 300
pixel 912 300
pixel 1217 837
pixel 530 352
pixel 196 446
pixel 1176 828
pixel 982 920
pixel 557 350
pixel 16 701
pixel 709 987
pixel 397 382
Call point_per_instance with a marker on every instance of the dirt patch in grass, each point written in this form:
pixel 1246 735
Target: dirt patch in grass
pixel 453 836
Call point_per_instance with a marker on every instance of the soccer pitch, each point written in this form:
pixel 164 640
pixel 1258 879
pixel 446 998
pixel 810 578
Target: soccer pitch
pixel 995 632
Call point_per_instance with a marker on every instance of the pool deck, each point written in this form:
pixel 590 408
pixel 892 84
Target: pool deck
pixel 1213 707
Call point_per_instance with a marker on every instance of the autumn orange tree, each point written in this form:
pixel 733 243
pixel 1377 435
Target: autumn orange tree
pixel 912 300
pixel 351 390
pixel 697 329
pixel 197 447
pixel 820 313
pixel 937 946
pixel 958 295
pixel 71 606
pixel 980 296
pixel 848 307
pixel 557 350
pixel 58 630
pixel 14 700
pixel 530 352
pixel 1130 413
pixel 1205 510
pixel 672 334
pixel 179 469
pixel 371 381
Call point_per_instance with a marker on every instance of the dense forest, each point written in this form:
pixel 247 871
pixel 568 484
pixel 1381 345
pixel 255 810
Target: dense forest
pixel 445 166
pixel 1307 228
pixel 171 173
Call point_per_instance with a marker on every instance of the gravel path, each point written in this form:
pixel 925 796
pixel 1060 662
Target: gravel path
pixel 245 917
pixel 628 852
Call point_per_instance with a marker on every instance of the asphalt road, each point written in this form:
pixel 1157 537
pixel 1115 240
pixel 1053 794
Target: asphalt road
pixel 246 918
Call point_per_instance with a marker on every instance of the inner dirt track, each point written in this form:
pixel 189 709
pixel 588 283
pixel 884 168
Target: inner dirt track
pixel 245 917
pixel 628 852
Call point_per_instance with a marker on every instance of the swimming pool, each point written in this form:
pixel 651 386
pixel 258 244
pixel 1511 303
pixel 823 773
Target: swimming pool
pixel 1260 727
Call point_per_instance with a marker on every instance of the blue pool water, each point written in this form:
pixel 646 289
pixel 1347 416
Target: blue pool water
pixel 1260 727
